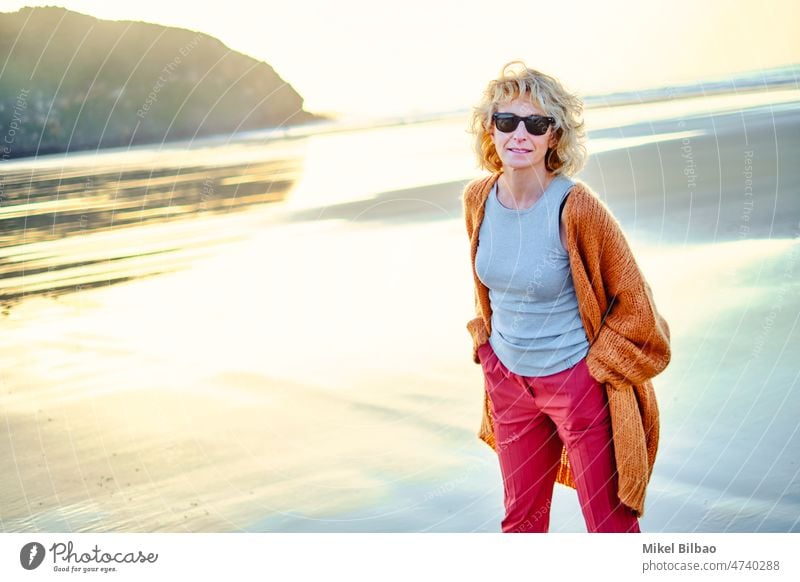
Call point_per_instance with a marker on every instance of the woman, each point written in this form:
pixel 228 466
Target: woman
pixel 567 332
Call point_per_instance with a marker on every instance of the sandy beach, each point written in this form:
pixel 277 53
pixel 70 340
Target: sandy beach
pixel 302 364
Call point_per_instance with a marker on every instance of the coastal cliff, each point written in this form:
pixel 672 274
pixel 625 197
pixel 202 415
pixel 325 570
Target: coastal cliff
pixel 74 82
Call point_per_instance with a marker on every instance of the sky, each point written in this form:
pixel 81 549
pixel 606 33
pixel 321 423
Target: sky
pixel 360 58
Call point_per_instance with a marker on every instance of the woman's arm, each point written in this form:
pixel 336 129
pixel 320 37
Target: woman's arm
pixel 632 344
pixel 475 326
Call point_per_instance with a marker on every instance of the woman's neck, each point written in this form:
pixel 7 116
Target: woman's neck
pixel 524 187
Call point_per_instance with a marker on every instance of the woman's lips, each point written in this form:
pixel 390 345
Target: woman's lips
pixel 519 150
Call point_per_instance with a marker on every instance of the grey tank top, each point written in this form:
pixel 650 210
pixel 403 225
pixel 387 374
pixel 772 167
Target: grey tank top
pixel 536 326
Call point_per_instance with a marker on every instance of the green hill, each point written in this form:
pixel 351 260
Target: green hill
pixel 71 82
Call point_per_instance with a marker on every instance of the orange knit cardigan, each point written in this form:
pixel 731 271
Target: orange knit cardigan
pixel 628 339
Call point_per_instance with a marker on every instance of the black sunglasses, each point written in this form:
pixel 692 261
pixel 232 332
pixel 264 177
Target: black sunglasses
pixel 534 124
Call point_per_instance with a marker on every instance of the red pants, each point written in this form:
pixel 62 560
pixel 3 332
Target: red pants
pixel 533 416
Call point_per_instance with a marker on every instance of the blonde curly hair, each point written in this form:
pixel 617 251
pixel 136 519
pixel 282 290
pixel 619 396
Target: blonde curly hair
pixel 546 93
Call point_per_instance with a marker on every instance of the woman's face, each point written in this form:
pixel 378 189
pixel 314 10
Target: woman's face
pixel 519 149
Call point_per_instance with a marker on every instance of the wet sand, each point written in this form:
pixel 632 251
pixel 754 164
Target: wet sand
pixel 328 386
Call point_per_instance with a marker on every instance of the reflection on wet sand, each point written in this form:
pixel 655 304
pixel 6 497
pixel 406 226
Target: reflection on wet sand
pixel 70 229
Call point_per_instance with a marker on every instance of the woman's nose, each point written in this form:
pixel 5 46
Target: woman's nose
pixel 520 131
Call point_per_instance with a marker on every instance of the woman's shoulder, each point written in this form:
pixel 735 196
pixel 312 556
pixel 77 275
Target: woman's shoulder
pixel 475 188
pixel 584 204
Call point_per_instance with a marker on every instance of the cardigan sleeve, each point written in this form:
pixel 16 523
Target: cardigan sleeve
pixel 475 326
pixel 465 208
pixel 477 330
pixel 632 343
